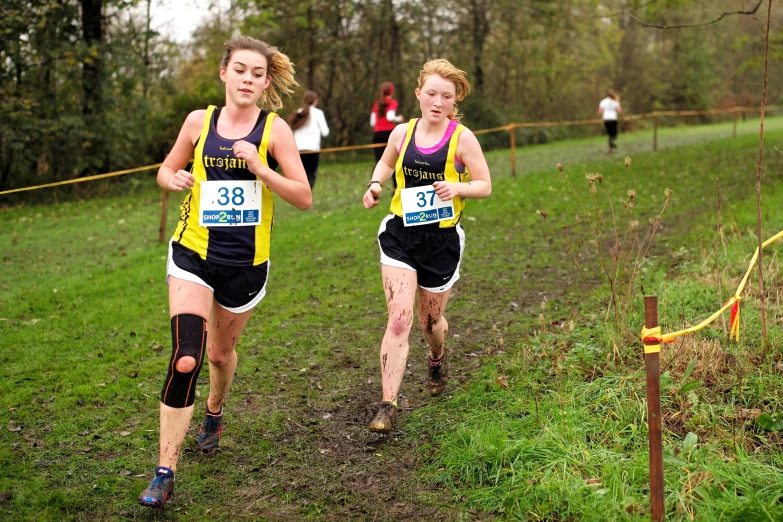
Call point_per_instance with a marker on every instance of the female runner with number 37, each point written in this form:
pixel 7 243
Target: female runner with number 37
pixel 219 255
pixel 421 242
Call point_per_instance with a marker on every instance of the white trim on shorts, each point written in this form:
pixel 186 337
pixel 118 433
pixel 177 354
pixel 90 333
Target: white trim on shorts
pixel 455 277
pixel 173 270
pixel 388 261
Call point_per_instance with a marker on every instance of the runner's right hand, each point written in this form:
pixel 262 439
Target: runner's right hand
pixel 372 196
pixel 181 180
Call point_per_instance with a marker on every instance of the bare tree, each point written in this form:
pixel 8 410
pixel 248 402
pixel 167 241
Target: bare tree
pixel 683 26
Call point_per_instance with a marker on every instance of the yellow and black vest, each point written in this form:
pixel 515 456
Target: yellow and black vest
pixel 214 159
pixel 422 167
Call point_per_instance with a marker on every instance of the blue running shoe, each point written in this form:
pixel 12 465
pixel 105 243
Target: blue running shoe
pixel 159 489
pixel 211 428
pixel 438 375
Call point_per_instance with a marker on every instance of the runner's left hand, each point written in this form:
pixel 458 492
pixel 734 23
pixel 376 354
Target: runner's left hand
pixel 248 152
pixel 445 190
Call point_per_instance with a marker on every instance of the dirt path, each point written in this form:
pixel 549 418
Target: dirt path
pixel 329 466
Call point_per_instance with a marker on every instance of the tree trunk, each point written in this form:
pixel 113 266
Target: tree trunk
pixel 479 30
pixel 6 160
pixel 311 59
pixel 92 63
pixel 394 39
pixel 145 80
pixel 48 155
pixel 92 82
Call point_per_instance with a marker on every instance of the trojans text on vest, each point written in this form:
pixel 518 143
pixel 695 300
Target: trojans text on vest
pixel 423 174
pixel 224 163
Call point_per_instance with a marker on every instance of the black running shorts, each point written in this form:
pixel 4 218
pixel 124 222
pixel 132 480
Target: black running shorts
pixel 433 253
pixel 236 288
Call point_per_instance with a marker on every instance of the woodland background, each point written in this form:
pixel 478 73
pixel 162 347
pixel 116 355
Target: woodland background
pixel 88 87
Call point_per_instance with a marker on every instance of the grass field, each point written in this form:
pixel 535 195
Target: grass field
pixel 545 418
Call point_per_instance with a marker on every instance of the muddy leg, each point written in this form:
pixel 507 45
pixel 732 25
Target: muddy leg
pixel 222 337
pixel 435 327
pixel 399 285
pixel 185 297
pixel 174 423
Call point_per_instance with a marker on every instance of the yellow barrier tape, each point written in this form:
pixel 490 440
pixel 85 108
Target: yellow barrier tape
pixel 508 128
pixel 654 334
pixel 347 147
pixel 649 334
pixel 86 178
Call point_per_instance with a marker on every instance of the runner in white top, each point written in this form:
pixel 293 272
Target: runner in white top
pixel 309 126
pixel 609 109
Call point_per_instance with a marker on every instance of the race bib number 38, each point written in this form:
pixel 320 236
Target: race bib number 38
pixel 230 203
pixel 420 205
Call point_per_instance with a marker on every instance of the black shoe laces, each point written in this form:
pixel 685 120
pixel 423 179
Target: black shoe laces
pixel 159 482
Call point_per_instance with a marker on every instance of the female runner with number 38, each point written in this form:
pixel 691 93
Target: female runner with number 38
pixel 219 255
pixel 438 163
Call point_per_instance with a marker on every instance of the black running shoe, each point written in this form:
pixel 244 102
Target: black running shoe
pixel 385 418
pixel 438 375
pixel 159 489
pixel 211 429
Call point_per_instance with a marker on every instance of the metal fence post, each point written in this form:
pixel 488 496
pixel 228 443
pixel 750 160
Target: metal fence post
pixel 734 132
pixel 512 138
pixel 655 131
pixel 653 368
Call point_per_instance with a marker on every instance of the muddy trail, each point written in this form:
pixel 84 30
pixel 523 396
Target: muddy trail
pixel 327 465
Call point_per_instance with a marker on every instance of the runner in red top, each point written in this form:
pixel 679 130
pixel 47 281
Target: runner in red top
pixel 383 117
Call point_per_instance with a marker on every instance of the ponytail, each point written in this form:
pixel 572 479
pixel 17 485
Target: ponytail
pixel 281 70
pixel 387 89
pixel 299 118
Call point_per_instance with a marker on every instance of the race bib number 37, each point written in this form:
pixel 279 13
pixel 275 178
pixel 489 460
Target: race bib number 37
pixel 420 205
pixel 230 203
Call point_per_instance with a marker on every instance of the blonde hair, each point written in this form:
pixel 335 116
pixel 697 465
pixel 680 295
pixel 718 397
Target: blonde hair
pixel 279 68
pixel 447 71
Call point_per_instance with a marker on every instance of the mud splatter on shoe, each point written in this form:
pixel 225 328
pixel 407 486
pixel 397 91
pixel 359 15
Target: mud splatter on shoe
pixel 211 429
pixel 385 418
pixel 438 375
pixel 159 489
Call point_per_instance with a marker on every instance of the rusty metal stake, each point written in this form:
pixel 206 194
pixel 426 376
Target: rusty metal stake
pixel 512 138
pixel 655 132
pixel 653 366
pixel 734 132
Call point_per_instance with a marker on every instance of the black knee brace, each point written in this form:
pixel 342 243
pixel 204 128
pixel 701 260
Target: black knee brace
pixel 188 339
